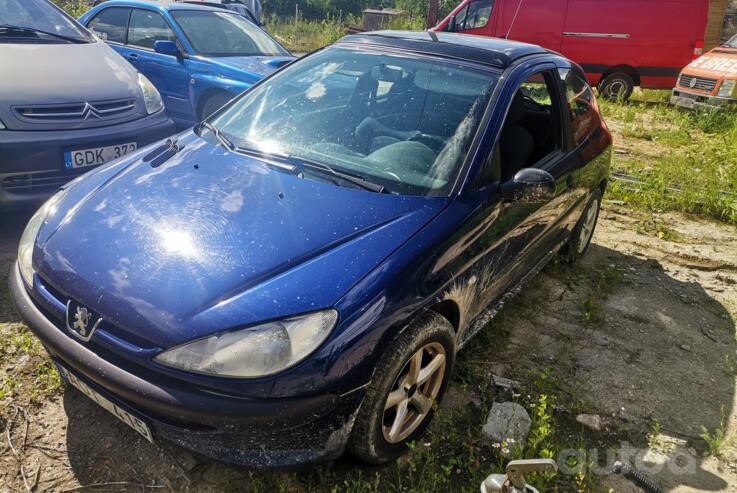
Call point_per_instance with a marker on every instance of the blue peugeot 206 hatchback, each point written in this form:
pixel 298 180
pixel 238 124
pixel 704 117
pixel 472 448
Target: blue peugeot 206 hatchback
pixel 294 276
pixel 197 56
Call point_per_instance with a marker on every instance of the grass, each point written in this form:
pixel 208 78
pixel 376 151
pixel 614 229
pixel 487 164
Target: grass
pixel 684 161
pixel 604 283
pixel 716 439
pixel 304 36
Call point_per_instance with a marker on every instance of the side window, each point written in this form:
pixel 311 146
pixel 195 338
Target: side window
pixel 110 24
pixel 474 15
pixel 147 27
pixel 581 105
pixel 478 14
pixel 532 129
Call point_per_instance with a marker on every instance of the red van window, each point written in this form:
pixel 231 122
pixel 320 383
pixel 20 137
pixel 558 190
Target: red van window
pixel 584 118
pixel 474 15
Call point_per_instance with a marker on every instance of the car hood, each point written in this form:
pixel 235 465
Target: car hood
pixel 260 66
pixel 64 73
pixel 211 241
pixel 720 62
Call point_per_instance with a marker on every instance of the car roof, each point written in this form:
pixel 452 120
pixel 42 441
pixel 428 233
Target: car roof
pixel 497 52
pixel 163 5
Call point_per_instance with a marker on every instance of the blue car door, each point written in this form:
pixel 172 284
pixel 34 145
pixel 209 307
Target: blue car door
pixel 168 73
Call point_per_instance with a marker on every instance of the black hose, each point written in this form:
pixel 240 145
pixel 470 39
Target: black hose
pixel 636 477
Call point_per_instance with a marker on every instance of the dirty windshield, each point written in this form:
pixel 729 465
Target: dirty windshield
pixel 402 123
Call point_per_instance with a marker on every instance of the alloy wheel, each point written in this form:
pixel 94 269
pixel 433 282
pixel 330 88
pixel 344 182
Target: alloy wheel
pixel 413 393
pixel 587 228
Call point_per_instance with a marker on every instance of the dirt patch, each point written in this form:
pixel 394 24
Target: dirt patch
pixel 642 334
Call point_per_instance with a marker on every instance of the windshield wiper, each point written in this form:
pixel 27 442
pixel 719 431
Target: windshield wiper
pixel 7 28
pixel 222 138
pixel 351 178
pixel 289 161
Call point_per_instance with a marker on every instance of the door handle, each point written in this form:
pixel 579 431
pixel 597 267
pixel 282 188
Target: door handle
pixel 133 56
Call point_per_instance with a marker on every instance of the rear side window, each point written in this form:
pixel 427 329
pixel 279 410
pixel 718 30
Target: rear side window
pixel 110 24
pixel 581 103
pixel 146 28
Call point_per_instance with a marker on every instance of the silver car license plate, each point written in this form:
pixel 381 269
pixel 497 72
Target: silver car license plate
pixel 97 155
pixel 134 422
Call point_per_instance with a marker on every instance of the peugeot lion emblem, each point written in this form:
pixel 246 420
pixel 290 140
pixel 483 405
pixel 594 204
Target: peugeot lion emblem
pixel 693 83
pixel 81 322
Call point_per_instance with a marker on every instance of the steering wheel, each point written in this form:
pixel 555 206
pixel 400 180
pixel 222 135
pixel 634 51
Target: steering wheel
pixel 431 141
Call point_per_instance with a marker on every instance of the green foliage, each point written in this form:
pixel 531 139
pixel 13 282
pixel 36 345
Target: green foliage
pixel 75 8
pixel 716 439
pixel 685 161
pixel 305 36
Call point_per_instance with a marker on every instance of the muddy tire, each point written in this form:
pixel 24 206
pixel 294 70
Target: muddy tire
pixel 617 87
pixel 584 230
pixel 213 103
pixel 410 377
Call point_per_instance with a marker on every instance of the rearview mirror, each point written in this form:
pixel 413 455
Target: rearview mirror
pixel 166 47
pixel 529 185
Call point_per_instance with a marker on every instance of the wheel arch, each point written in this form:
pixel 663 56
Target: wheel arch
pixel 205 96
pixel 622 68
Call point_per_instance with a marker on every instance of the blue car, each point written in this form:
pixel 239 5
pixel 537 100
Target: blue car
pixel 198 57
pixel 294 276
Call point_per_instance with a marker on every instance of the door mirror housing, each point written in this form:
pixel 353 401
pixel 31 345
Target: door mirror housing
pixel 166 47
pixel 529 185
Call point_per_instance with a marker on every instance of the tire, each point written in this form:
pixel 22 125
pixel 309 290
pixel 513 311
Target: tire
pixel 374 439
pixel 213 103
pixel 584 230
pixel 617 87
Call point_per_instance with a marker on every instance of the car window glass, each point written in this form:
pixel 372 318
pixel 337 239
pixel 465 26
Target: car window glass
pixel 581 102
pixel 536 89
pixel 147 27
pixel 532 129
pixel 476 15
pixel 225 34
pixel 37 15
pixel 110 24
pixel 404 123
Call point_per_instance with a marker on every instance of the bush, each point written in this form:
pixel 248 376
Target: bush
pixel 75 8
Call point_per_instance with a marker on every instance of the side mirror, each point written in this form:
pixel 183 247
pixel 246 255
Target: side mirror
pixel 166 47
pixel 529 185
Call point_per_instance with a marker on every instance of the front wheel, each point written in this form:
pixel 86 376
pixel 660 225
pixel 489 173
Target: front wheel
pixel 584 230
pixel 410 378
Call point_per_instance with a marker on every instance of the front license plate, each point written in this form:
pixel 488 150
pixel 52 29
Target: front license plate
pixel 687 103
pixel 97 155
pixel 123 415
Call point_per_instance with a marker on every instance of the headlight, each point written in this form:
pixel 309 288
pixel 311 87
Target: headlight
pixel 256 351
pixel 28 239
pixel 726 90
pixel 151 96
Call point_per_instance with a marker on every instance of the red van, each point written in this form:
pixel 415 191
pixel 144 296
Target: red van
pixel 619 43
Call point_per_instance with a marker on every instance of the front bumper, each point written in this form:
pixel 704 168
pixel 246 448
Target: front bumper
pixel 32 163
pixel 261 433
pixel 692 100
